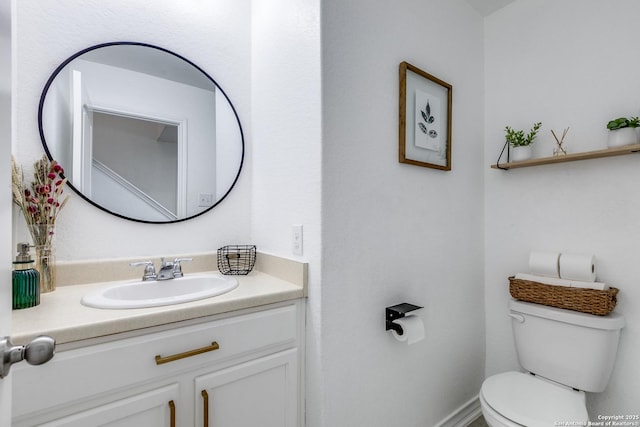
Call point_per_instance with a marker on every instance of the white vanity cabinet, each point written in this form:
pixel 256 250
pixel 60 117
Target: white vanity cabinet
pixel 155 407
pixel 239 369
pixel 257 393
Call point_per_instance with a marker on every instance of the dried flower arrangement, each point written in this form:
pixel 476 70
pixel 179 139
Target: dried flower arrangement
pixel 41 200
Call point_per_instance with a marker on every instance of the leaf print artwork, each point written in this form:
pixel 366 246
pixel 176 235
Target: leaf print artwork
pixel 427 117
pixel 427 129
pixel 426 114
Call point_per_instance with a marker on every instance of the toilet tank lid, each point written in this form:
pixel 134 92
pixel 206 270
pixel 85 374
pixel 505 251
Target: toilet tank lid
pixel 612 321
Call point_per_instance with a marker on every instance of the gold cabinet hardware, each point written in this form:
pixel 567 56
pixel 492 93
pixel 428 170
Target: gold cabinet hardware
pixel 172 413
pixel 205 411
pixel 160 360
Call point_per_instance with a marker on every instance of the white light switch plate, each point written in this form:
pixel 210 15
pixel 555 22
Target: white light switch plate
pixel 296 242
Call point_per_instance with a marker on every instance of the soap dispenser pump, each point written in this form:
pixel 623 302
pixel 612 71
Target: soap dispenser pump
pixel 26 280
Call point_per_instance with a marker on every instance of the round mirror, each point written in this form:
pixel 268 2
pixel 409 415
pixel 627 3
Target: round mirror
pixel 141 132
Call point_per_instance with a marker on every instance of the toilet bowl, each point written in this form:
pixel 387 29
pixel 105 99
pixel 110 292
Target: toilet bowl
pixel 565 354
pixel 514 399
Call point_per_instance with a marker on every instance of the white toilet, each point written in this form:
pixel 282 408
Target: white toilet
pixel 565 354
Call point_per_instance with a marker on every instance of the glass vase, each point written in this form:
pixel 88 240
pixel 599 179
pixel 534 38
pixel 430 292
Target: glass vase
pixel 45 255
pixel 46 266
pixel 560 150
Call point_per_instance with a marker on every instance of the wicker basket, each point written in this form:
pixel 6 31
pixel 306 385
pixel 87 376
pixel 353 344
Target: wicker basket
pixel 590 301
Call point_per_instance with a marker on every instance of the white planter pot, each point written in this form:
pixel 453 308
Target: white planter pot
pixel 518 154
pixel 621 137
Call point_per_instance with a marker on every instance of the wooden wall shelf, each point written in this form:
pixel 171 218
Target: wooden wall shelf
pixel 609 152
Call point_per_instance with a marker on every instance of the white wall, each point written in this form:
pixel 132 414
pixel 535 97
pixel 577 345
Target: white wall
pixel 286 124
pixel 569 63
pixel 394 232
pixel 214 35
pixel 286 156
pixel 5 194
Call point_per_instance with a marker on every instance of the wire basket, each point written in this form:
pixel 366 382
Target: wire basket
pixel 590 301
pixel 236 259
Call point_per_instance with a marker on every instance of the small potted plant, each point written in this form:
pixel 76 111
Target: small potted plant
pixel 520 142
pixel 622 131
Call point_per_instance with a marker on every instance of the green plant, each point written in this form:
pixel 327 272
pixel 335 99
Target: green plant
pixel 623 122
pixel 517 138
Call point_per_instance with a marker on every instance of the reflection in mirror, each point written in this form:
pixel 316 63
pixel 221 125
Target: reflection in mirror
pixel 130 155
pixel 142 132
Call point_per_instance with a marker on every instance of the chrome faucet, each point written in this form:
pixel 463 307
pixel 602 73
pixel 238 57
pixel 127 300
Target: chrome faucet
pixel 177 267
pixel 149 270
pixel 168 269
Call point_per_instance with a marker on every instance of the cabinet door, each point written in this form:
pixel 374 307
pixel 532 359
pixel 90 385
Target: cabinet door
pixel 259 393
pixel 152 408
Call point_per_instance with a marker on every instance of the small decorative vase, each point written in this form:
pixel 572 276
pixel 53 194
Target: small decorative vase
pixel 622 137
pixel 45 256
pixel 520 153
pixel 560 150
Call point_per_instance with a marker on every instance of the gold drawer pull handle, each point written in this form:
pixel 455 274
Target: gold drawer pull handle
pixel 160 360
pixel 172 413
pixel 205 396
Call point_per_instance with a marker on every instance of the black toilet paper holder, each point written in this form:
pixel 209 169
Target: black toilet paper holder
pixel 396 312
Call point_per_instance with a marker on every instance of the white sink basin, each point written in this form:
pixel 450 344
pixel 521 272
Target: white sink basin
pixel 154 293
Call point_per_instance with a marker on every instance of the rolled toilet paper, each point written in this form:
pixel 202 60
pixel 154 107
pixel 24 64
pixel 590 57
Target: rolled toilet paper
pixel 562 282
pixel 589 285
pixel 544 263
pixel 555 281
pixel 412 329
pixel 578 267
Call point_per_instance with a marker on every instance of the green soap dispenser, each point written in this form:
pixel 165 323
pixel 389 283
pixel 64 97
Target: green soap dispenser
pixel 26 280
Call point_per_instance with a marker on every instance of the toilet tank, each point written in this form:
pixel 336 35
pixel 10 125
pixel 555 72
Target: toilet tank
pixel 572 348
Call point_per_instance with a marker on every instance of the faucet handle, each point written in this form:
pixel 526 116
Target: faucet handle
pixel 149 269
pixel 177 267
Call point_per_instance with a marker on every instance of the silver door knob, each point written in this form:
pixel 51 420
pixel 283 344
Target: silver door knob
pixel 37 352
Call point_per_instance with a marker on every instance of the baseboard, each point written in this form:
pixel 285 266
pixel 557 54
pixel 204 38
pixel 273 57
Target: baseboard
pixel 464 415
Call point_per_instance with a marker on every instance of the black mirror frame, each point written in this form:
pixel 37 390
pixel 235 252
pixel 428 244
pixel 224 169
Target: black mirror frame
pixel 130 43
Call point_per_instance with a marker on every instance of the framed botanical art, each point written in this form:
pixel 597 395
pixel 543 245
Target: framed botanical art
pixel 425 119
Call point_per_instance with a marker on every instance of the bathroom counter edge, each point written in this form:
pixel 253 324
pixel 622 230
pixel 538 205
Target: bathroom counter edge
pixel 62 316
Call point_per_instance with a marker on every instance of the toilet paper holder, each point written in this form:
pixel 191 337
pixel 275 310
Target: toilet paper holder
pixel 396 312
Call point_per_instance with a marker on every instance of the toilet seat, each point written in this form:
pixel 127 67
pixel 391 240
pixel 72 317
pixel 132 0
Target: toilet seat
pixel 533 402
pixel 494 419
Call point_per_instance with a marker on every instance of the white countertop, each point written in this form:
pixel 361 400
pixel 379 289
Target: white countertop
pixel 62 316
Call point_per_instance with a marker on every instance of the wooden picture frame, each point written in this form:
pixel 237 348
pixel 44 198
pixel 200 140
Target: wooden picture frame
pixel 425 119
